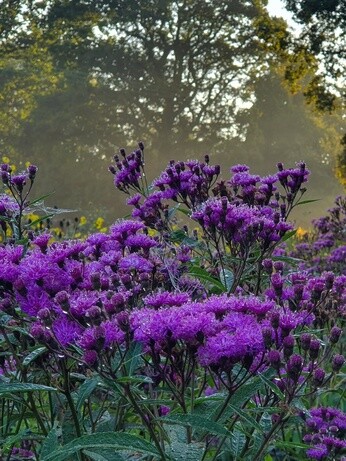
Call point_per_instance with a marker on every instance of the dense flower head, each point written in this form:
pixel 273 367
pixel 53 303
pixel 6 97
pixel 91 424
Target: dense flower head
pixel 326 431
pixel 182 311
pixel 187 182
pixel 293 178
pixel 8 206
pixel 129 171
pixel 240 223
pixel 225 329
pixel 165 299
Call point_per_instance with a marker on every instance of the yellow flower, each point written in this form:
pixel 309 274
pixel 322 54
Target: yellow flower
pixel 152 232
pixel 5 159
pixel 99 223
pixel 301 233
pixel 33 217
pixel 82 220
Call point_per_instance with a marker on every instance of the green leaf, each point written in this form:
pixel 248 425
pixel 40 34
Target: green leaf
pixel 33 355
pixel 288 235
pixel 13 388
pixel 25 434
pixel 50 443
pixel 244 415
pixel 204 276
pixel 304 202
pixel 103 455
pixel 133 358
pixel 105 440
pixel 227 278
pixel 196 422
pixel 135 379
pixel 281 444
pixel 178 448
pixel 68 427
pixel 272 386
pixel 240 397
pixel 40 219
pixel 85 391
pixel 184 211
pixel 40 199
pixel 287 259
pixel 238 441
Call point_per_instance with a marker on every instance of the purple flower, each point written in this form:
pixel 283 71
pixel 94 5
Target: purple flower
pixel 66 331
pixel 91 358
pixel 165 299
pixel 136 263
pixel 337 362
pixel 42 240
pixel 19 181
pixel 318 452
pixel 8 206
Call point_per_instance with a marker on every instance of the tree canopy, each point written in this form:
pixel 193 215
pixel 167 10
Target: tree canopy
pixel 81 78
pixel 323 32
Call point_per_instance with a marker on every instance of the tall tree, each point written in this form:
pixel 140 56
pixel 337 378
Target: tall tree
pixel 83 77
pixel 323 33
pixel 172 72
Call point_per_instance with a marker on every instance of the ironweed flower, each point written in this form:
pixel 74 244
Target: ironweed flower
pixel 326 430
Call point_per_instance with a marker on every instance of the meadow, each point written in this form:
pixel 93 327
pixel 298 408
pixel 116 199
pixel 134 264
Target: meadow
pixel 204 327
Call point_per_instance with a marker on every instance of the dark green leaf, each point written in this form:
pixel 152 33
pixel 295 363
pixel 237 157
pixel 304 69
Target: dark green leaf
pixel 196 422
pixel 227 278
pixel 272 386
pixel 135 379
pixel 288 235
pixel 133 358
pixel 50 443
pixel 103 455
pixel 304 202
pixel 33 355
pixel 204 276
pixel 85 391
pixel 245 416
pixel 282 444
pixel 40 199
pixel 13 388
pixel 237 441
pixel 105 440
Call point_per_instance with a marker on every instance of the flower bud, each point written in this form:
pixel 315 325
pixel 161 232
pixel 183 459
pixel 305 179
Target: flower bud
pixel 318 377
pixel 274 359
pixel 337 362
pixel 91 358
pixel 305 340
pixel 314 349
pixel 32 170
pixel 335 334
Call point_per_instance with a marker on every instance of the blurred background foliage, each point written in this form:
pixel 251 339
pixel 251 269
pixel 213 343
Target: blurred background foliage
pixel 81 78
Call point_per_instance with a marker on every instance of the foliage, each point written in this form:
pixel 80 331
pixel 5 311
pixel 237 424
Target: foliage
pixel 162 339
pixel 324 29
pixel 80 77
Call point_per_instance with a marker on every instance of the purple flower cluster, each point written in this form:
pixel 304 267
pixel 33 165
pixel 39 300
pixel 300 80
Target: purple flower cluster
pixel 224 330
pixel 76 290
pixel 188 182
pixel 326 429
pixel 17 181
pixel 324 249
pixel 129 172
pixel 240 224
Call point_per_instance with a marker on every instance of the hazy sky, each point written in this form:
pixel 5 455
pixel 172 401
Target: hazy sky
pixel 276 8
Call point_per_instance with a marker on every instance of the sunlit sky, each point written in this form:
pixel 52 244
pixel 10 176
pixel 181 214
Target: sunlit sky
pixel 276 8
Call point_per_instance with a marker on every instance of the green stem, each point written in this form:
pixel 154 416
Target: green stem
pixel 145 421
